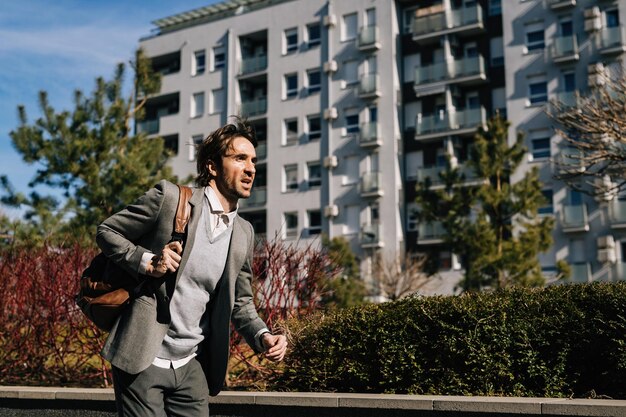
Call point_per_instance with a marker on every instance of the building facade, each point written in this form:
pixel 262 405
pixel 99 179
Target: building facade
pixel 354 101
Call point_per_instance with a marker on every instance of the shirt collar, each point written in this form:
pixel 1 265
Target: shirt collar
pixel 214 203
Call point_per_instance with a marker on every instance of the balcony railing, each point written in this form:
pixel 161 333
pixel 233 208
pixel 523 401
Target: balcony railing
pixel 370 135
pixel 612 40
pixel 371 184
pixel 371 235
pixel 447 21
pixel 567 98
pixel 442 71
pixel 619 273
pixel 430 233
pixel 369 86
pixel 254 107
pixel 261 151
pixel 368 38
pixel 564 49
pixel 149 127
pixel 617 213
pixel 574 218
pixel 558 4
pixel 447 122
pixel 569 161
pixel 257 198
pixel 580 272
pixel 432 173
pixel 253 64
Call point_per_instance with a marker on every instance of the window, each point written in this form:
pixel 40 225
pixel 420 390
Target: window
pixel 534 36
pixel 408 17
pixel 349 27
pixel 195 141
pixel 291 85
pixel 198 63
pixel 314 174
pixel 352 122
pixel 350 72
pixel 350 170
pixel 412 219
pixel 315 222
pixel 547 207
pixel 291 225
pixel 315 127
pixel 291 132
pixel 291 40
pixel 314 80
pixel 566 26
pixel 170 143
pixel 541 148
pixel 412 162
pixel 612 18
pixel 352 220
pixel 217 102
pixel 291 178
pixel 313 34
pixel 219 58
pixel 569 81
pixel 497 52
pixel 197 105
pixel 495 7
pixel 537 91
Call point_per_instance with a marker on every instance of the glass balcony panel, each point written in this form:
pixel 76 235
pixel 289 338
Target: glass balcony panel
pixel 368 36
pixel 467 16
pixel 253 64
pixel 581 272
pixel 575 216
pixel 370 182
pixel 369 133
pixel 369 84
pixel 471 118
pixel 149 127
pixel 371 234
pixel 432 230
pixel 618 211
pixel 620 272
pixel 258 198
pixel 427 24
pixel 254 107
pixel 431 73
pixel 261 150
pixel 564 46
pixel 432 173
pixel 612 37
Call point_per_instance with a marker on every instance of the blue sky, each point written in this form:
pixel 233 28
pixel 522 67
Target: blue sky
pixel 60 46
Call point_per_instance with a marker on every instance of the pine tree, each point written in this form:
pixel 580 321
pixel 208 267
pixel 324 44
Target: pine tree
pixel 91 154
pixel 492 226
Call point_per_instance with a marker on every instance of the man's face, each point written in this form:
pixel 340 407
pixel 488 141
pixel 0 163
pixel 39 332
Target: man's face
pixel 234 179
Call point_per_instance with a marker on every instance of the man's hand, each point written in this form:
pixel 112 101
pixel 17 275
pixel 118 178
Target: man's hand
pixel 167 261
pixel 275 346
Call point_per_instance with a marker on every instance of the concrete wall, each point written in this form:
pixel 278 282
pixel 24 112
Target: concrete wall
pixel 69 402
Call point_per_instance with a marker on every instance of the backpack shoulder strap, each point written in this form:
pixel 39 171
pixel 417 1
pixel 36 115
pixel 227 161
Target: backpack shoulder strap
pixel 183 212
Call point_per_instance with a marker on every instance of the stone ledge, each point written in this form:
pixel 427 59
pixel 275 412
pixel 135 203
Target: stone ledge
pixel 444 404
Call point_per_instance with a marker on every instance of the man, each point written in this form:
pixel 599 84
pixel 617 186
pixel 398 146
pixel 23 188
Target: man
pixel 169 349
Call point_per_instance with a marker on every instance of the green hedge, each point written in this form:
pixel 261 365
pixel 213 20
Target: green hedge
pixel 560 341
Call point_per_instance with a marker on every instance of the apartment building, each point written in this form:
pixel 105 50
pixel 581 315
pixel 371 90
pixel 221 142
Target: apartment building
pixel 354 101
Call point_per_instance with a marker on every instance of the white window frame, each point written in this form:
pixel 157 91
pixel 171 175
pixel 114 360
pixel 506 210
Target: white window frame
pixel 217 101
pixel 311 228
pixel 290 48
pixel 311 42
pixel 314 88
pixel 196 68
pixel 194 142
pixel 218 64
pixel 349 26
pixel 537 99
pixel 314 181
pixel 197 105
pixel 314 134
pixel 290 232
pixel 290 138
pixel 533 28
pixel 290 93
pixel 290 185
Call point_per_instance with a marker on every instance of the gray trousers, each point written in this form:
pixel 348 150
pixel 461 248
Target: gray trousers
pixel 160 392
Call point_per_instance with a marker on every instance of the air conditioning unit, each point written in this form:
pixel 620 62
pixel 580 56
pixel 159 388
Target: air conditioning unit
pixel 331 211
pixel 593 24
pixel 607 256
pixel 329 20
pixel 330 113
pixel 595 80
pixel 606 189
pixel 606 242
pixel 592 12
pixel 330 162
pixel 595 68
pixel 330 66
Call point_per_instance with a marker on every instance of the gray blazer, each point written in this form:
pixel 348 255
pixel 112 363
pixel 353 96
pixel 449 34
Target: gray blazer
pixel 146 225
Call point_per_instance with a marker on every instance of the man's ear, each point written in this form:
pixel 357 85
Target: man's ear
pixel 212 168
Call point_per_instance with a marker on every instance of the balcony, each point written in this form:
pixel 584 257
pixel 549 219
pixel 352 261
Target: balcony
pixel 257 199
pixel 252 64
pixel 617 214
pixel 432 173
pixel 433 22
pixel 574 218
pixel 430 233
pixel 561 4
pixel 371 236
pixel 254 107
pixel 370 135
pixel 612 40
pixel 444 123
pixel 581 272
pixel 564 49
pixel 368 38
pixel 569 162
pixel 619 271
pixel 431 79
pixel 371 185
pixel 369 86
pixel 567 98
pixel 261 151
pixel 149 127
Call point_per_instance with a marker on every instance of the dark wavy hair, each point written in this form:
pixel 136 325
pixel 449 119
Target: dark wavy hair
pixel 215 146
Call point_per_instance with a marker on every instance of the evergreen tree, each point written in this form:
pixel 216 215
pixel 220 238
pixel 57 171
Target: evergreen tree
pixel 347 289
pixel 491 224
pixel 91 154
